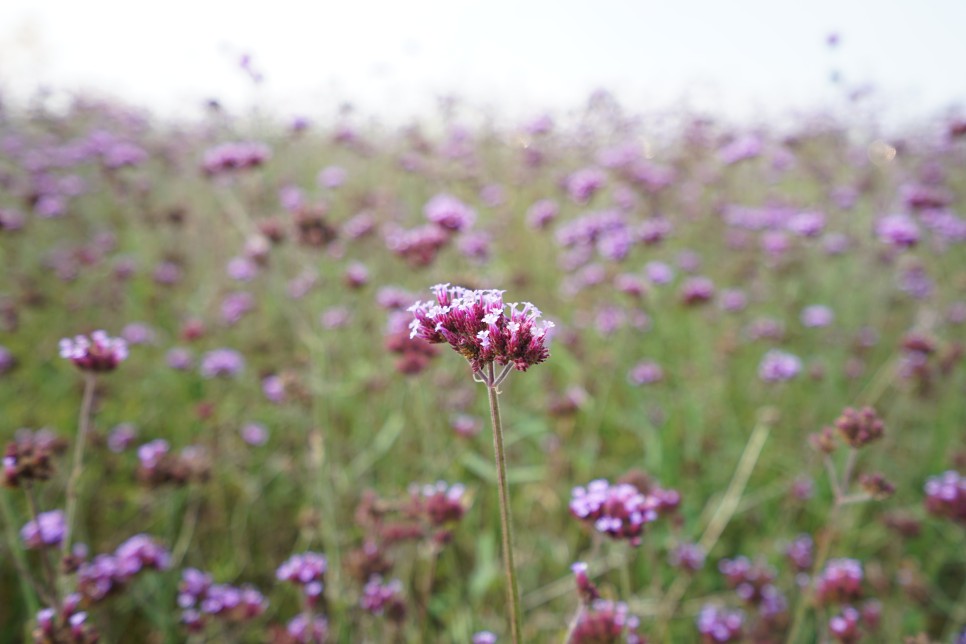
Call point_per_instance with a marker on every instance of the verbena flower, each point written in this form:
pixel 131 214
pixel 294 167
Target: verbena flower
pixel 222 362
pixel 481 328
pixel 720 625
pixel 97 353
pixel 778 366
pixel 47 530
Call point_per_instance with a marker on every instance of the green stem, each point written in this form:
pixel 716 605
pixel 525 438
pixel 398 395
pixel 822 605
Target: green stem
pixel 83 428
pixel 512 592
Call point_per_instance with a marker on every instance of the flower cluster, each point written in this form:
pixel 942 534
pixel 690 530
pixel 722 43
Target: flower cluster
pixel 306 570
pixel 841 581
pixel 108 573
pixel 199 599
pixel 304 629
pixel 96 353
pixel 779 366
pixel 946 496
pixel 28 458
pixel 230 157
pixel 47 530
pixel 449 213
pixel 606 621
pixel 719 625
pixel 69 625
pixel 222 362
pixel 157 465
pixel 621 511
pixel 751 581
pixel 481 328
pixel 440 503
pixel 859 428
pixel 384 598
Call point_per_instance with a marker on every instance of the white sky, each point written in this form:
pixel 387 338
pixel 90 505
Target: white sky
pixel 392 58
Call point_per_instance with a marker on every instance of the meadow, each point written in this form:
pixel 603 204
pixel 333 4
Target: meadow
pixel 750 425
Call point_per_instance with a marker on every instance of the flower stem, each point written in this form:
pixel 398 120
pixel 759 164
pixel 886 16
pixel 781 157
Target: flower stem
pixel 512 592
pixel 83 427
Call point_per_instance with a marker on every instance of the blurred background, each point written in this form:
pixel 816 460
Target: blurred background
pixel 743 60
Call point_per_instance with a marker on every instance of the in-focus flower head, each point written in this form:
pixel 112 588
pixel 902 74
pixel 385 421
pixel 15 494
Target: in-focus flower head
pixel 480 327
pixel 97 353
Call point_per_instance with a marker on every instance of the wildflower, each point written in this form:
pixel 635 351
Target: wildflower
pixel 844 627
pixel 242 269
pixel 841 581
pixel 583 184
pixel 254 434
pixel 876 486
pixel 733 300
pixel 645 373
pixel 585 587
pixel 121 437
pixel 332 177
pixel 946 496
pixel 108 573
pixel 449 213
pixel 484 637
pixel 605 621
pixel 697 290
pixel 481 328
pixel 620 511
pixel 306 570
pixel 306 629
pixel 687 556
pixel 29 457
pixel 720 625
pixel 179 358
pixel 222 362
pixel 898 230
pixel 750 580
pixel 800 552
pixel 98 353
pixel 7 361
pixel 542 213
pixel 778 366
pixel 859 428
pixel 47 530
pixel 231 157
pixel 658 272
pixel 817 316
pixel 440 503
pixel 235 305
pixel 386 599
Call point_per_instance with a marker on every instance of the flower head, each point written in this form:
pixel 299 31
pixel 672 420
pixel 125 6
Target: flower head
pixel 481 328
pixel 97 353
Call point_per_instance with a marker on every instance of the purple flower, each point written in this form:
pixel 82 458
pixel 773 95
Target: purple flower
pixel 733 300
pixel 308 630
pixel 645 373
pixel 484 637
pixel 946 496
pixel 778 366
pixel 898 230
pixel 449 213
pixel 273 387
pixel 583 184
pixel 97 353
pixel 121 437
pixel 806 224
pixel 242 269
pixel 817 316
pixel 306 570
pixel 658 272
pixel 747 147
pixel 138 333
pixel 719 625
pixel 231 157
pixel 332 176
pixel 542 213
pixel 235 305
pixel 841 581
pixel 605 621
pixel 254 434
pixel 844 627
pixel 47 530
pixel 382 598
pixel 7 361
pixel 697 290
pixel 481 328
pixel 179 358
pixel 688 556
pixel 222 362
pixel 620 511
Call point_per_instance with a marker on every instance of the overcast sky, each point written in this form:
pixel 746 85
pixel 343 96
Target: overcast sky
pixel 393 58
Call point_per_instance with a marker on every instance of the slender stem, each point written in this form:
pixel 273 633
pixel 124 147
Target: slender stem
pixel 44 554
pixel 83 427
pixel 17 556
pixel 824 548
pixel 512 592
